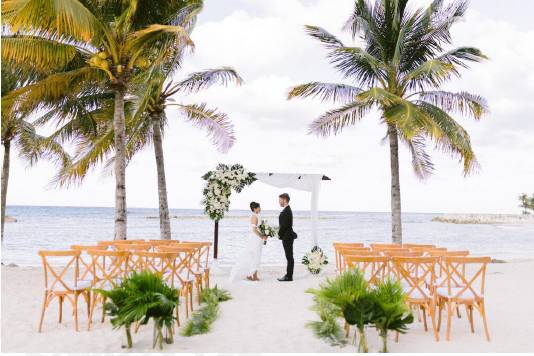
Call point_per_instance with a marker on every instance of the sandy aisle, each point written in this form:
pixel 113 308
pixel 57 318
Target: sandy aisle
pixel 266 317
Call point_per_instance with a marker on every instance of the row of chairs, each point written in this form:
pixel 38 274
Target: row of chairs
pixel 433 278
pixel 76 272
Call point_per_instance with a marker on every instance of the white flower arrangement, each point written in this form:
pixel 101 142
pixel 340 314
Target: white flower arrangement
pixel 315 260
pixel 267 230
pixel 219 186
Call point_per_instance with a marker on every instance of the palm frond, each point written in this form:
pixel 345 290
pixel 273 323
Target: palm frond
pixel 330 41
pixel 460 56
pixel 204 79
pixel 334 121
pixel 325 91
pixel 39 52
pixel 219 127
pixel 62 17
pixel 450 137
pixel 358 64
pixel 462 102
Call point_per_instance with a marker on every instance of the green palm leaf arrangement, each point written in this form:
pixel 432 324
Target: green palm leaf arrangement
pixel 138 299
pixel 392 312
pixel 200 322
pixel 348 296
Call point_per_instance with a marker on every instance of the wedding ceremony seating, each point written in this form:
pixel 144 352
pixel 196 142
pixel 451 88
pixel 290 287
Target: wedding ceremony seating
pixel 433 278
pixel 182 265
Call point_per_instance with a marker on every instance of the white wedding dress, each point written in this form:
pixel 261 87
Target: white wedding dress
pixel 249 260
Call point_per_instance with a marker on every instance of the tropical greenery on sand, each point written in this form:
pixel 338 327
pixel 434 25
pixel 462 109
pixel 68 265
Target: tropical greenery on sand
pixel 200 322
pixel 19 133
pixel 351 298
pixel 142 297
pixel 113 64
pixel 399 63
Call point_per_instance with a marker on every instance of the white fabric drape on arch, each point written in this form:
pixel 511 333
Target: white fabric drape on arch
pixel 306 182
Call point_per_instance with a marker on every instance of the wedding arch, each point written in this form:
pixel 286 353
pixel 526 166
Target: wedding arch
pixel 224 179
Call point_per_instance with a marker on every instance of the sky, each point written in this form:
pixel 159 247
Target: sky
pixel 265 42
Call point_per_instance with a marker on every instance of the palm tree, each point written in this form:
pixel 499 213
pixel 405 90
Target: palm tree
pixel 19 132
pixel 399 71
pixel 117 41
pixel 146 120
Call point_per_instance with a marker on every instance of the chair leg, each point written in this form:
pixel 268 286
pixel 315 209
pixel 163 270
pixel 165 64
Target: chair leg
pixel 458 313
pixel 440 311
pixel 177 315
pixel 397 335
pixel 469 312
pixel 424 317
pixel 43 312
pixel 87 296
pixel 482 309
pixel 449 317
pixel 91 311
pixel 432 312
pixel 60 302
pixel 75 309
pixel 103 309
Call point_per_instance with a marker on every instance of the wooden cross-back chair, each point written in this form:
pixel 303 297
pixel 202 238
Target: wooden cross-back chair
pixel 196 266
pixel 201 260
pixel 62 282
pixel 413 273
pixel 374 268
pixel 340 245
pixel 353 253
pixel 182 273
pixel 343 251
pixel 134 263
pixel 160 263
pixel 108 269
pixel 465 284
pixel 85 263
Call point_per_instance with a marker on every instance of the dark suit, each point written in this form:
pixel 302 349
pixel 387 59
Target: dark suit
pixel 287 235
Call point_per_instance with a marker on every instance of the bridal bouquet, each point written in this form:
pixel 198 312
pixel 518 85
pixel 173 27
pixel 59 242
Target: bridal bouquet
pixel 315 260
pixel 267 230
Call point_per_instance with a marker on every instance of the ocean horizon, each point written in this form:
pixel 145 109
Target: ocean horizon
pixel 58 227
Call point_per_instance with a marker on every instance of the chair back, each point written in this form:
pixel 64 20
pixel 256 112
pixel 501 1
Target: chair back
pixel 160 263
pixel 61 269
pixel 203 257
pixel 85 261
pixel 466 276
pixel 401 253
pixel 414 273
pixel 374 268
pixel 342 249
pixel 108 267
pixel 183 262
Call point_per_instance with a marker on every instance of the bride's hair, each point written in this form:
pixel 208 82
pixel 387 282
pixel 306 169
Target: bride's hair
pixel 254 205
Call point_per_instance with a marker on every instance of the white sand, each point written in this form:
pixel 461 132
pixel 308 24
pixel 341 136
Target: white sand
pixel 267 317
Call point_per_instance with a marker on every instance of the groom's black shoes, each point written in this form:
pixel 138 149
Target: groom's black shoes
pixel 285 279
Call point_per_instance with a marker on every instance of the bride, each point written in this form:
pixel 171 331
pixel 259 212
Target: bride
pixel 248 263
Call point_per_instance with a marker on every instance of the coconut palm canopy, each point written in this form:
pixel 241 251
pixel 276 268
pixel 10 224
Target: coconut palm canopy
pixel 398 69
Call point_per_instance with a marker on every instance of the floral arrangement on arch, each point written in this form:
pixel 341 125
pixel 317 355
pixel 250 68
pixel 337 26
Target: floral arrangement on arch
pixel 219 186
pixel 315 260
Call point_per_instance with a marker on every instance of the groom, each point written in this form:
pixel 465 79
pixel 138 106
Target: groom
pixel 287 235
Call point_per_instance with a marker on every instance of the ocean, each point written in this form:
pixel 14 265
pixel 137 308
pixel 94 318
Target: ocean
pixel 45 227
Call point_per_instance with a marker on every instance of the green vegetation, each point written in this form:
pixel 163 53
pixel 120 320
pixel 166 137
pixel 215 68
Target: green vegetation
pixel 526 203
pixel 201 321
pixel 139 298
pixel 398 71
pixel 348 296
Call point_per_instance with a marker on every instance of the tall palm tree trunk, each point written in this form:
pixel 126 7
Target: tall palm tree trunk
pixel 5 179
pixel 119 126
pixel 396 224
pixel 164 220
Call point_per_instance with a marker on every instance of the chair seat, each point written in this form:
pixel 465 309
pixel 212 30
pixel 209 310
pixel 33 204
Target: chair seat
pixel 466 295
pixel 81 285
pixel 416 293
